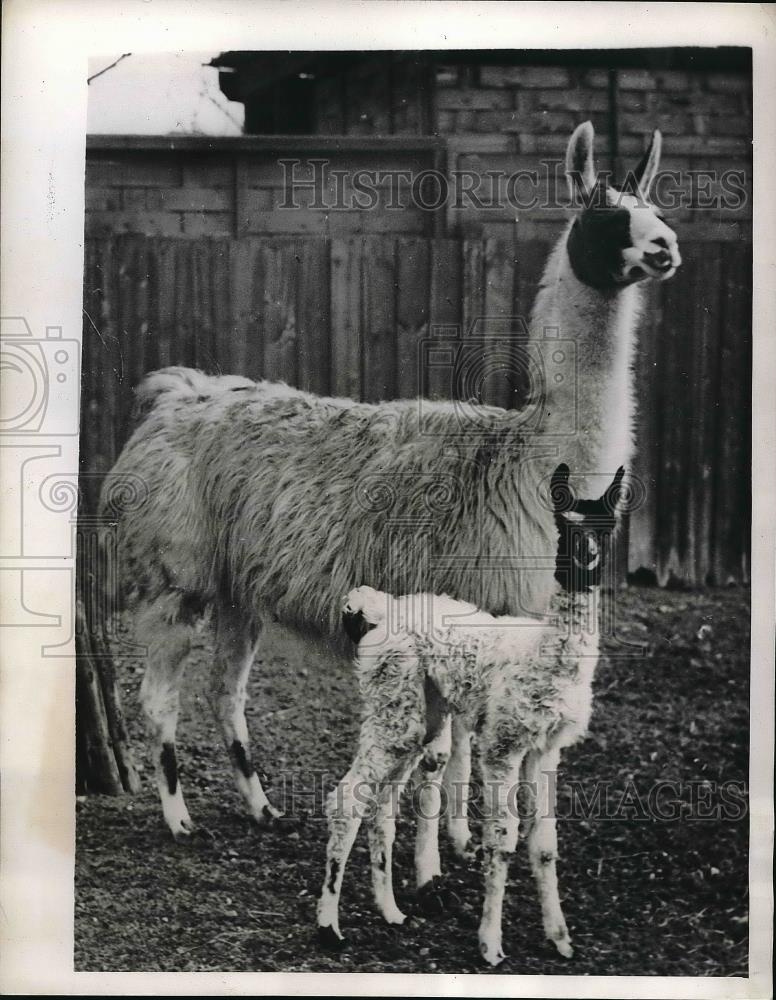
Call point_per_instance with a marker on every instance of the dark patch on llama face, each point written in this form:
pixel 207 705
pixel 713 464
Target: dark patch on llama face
pixel 619 238
pixel 356 626
pixel 241 759
pixel 585 529
pixel 169 766
pixel 546 858
pixel 596 243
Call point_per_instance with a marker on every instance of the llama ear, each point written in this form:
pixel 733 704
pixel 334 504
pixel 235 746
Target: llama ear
pixel 580 172
pixel 560 492
pixel 611 497
pixel 648 167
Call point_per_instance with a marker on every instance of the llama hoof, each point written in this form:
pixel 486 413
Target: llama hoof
pixel 182 831
pixel 272 819
pixel 394 916
pixel 492 953
pixel 435 898
pixel 564 947
pixel 329 939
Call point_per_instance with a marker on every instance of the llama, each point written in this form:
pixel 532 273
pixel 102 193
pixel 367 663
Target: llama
pixel 527 690
pixel 265 500
pixel 591 293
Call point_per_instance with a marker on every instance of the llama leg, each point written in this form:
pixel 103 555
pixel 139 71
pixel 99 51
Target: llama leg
pixel 499 840
pixel 428 802
pixel 236 639
pixel 543 849
pixel 456 785
pixel 168 642
pixel 382 830
pixel 358 796
pixel 345 811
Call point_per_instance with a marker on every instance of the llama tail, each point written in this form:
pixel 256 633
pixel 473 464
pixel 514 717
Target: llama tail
pixel 178 383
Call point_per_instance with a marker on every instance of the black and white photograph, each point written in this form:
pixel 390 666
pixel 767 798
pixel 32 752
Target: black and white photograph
pixel 410 549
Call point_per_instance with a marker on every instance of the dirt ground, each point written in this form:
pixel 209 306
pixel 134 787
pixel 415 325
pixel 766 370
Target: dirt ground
pixel 644 894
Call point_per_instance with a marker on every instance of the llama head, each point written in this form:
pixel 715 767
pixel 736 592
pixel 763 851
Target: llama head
pixel 362 610
pixel 585 529
pixel 618 237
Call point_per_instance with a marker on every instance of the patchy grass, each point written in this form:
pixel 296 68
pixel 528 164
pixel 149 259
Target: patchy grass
pixel 642 896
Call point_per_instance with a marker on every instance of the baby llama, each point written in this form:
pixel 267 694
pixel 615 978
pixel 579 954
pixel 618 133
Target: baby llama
pixel 524 688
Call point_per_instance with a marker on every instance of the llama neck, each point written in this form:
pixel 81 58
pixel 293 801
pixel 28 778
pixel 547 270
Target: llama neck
pixel 578 621
pixel 588 391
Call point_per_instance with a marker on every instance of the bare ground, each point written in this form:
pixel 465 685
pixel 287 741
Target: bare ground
pixel 643 894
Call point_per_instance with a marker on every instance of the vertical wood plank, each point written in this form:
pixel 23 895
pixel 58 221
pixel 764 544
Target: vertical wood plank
pixel 473 287
pixel 668 491
pixel 246 295
pixel 223 339
pixel 128 333
pixel 93 382
pixel 378 343
pixel 346 260
pixel 314 315
pixel 743 299
pixel 165 264
pixel 152 276
pixel 706 351
pixel 183 344
pixel 446 315
pixel 643 519
pixel 112 350
pixel 412 314
pixel 502 349
pixel 732 515
pixel 531 257
pixel 141 311
pixel 202 305
pixel 279 268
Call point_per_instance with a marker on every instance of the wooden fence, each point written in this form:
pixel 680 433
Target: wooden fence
pixel 346 316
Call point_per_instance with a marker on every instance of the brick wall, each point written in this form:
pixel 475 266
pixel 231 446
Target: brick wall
pixel 233 187
pixel 492 120
pixel 506 118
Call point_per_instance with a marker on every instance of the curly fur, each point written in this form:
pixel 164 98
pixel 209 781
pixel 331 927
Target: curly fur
pixel 282 499
pixel 527 692
pixel 525 688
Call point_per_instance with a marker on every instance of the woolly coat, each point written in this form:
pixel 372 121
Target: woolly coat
pixel 280 502
pixel 517 680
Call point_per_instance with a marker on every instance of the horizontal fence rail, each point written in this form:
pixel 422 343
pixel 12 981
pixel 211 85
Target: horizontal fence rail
pixel 347 317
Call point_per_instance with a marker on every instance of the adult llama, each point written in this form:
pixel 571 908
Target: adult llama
pixel 264 500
